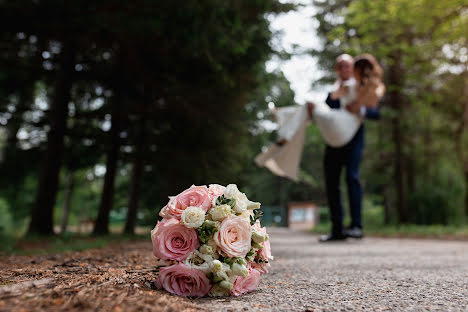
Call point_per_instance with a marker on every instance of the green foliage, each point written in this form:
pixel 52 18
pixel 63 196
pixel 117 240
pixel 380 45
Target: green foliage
pixel 257 216
pixel 221 200
pixel 5 224
pixel 206 231
pixel 194 72
pixel 439 200
pixel 181 67
pixel 374 225
pixel 412 150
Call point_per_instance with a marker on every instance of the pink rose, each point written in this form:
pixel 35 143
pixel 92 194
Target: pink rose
pixel 182 280
pixel 247 284
pixel 216 190
pixel 173 241
pixel 195 196
pixel 234 236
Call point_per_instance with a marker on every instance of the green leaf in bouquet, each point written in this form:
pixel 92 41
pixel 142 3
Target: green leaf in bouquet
pixel 225 259
pixel 221 200
pixel 217 279
pixel 257 245
pixel 240 261
pixel 207 230
pixel 257 215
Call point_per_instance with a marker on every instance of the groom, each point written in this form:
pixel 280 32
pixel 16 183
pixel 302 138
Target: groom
pixel 348 157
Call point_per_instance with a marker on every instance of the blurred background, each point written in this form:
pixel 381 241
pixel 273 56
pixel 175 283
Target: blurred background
pixel 108 107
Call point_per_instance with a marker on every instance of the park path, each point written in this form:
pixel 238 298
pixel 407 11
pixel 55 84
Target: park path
pixel 373 274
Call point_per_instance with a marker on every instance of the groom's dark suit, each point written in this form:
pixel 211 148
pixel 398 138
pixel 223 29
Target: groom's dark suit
pixel 348 156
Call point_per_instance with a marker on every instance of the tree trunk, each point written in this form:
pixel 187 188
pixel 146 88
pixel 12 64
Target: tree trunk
pixel 462 152
pixel 396 98
pixel 398 171
pixel 101 226
pixel 138 166
pixel 466 192
pixel 382 164
pixel 387 206
pixel 459 141
pixel 43 208
pixel 427 151
pixel 67 202
pixel 410 170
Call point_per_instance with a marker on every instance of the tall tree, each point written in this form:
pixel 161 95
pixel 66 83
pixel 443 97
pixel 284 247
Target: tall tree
pixel 42 213
pixel 136 178
pixel 101 225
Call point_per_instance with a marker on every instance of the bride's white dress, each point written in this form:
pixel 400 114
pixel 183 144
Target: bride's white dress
pixel 337 127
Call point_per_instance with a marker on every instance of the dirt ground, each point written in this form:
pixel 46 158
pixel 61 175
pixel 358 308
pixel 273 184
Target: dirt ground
pixel 115 278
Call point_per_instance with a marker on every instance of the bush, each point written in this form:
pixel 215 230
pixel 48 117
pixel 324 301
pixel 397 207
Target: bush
pixel 438 202
pixel 372 212
pixel 5 218
pixel 5 225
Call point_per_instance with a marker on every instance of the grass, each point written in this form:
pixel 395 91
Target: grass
pixel 407 230
pixel 68 242
pixel 62 243
pixel 373 221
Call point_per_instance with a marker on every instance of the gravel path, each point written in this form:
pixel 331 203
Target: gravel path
pixel 372 274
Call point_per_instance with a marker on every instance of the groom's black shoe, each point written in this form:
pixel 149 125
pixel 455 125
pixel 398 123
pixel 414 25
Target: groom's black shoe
pixel 332 238
pixel 354 232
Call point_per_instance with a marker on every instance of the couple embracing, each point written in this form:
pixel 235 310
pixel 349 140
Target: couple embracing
pixel 358 90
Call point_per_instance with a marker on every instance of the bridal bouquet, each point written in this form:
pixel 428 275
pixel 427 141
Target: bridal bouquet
pixel 210 242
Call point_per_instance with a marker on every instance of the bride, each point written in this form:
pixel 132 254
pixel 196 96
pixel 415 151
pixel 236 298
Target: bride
pixel 337 125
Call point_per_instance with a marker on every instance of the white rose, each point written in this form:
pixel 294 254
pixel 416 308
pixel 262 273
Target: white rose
pixel 199 261
pixel 241 200
pixel 193 217
pixel 219 213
